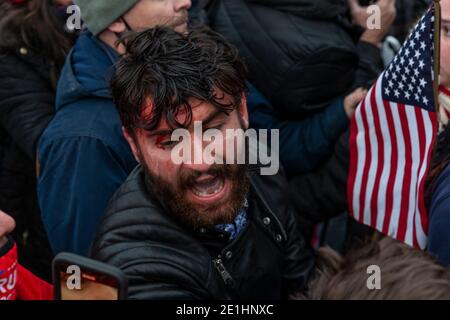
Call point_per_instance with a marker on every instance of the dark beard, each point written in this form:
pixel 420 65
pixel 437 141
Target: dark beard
pixel 192 215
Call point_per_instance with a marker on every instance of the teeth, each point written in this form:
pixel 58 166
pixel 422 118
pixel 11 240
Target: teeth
pixel 205 193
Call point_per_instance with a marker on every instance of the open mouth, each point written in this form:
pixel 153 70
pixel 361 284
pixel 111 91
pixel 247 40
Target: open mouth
pixel 208 187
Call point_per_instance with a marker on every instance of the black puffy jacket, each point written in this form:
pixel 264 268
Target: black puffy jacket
pixel 164 260
pixel 26 107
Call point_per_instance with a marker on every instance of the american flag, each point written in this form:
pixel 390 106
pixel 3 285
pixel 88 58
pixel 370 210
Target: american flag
pixel 392 135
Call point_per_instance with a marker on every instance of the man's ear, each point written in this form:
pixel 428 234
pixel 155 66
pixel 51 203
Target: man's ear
pixel 131 141
pixel 117 26
pixel 243 111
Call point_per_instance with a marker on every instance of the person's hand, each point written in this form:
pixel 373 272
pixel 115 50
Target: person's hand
pixel 7 225
pixel 352 101
pixel 360 17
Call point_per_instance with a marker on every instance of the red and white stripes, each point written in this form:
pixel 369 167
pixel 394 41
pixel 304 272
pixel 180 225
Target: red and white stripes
pixel 391 148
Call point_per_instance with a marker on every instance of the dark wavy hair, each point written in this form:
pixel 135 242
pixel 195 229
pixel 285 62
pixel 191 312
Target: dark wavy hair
pixel 34 24
pixel 169 68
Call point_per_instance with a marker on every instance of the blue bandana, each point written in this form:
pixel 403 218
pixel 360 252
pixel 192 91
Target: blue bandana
pixel 240 222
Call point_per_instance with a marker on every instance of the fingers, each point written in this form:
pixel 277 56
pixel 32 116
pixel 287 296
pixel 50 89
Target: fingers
pixel 353 100
pixel 358 95
pixel 7 224
pixel 387 7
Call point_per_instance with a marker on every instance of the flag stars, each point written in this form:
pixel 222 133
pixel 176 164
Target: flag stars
pixel 406 78
pixel 419 90
pixel 423 45
pixel 422 82
pixel 407 95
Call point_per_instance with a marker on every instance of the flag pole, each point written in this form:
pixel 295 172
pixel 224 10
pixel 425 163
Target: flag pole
pixel 431 175
pixel 437 54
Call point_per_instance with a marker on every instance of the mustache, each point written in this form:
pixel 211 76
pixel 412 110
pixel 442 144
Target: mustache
pixel 179 19
pixel 187 178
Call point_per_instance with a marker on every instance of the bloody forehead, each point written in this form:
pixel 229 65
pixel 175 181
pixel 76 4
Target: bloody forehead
pixel 180 113
pixel 147 109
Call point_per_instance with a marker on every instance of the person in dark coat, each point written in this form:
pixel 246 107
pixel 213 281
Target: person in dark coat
pixel 33 46
pixel 302 59
pixel 195 229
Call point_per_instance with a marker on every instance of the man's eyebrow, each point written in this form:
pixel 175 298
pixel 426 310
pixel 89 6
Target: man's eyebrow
pixel 162 132
pixel 445 21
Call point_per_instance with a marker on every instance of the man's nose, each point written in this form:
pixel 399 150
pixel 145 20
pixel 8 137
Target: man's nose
pixel 198 162
pixel 182 5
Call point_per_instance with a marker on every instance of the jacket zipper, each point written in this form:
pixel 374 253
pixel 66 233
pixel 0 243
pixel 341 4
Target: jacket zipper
pixel 227 278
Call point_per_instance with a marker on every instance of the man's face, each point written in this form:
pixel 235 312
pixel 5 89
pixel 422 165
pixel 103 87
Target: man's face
pixel 445 44
pixel 199 195
pixel 150 13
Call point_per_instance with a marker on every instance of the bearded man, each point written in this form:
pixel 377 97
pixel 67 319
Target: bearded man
pixel 195 230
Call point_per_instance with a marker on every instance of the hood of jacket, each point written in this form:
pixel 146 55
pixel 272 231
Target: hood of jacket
pixel 87 71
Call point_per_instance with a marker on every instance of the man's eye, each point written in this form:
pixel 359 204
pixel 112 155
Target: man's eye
pixel 168 143
pixel 447 31
pixel 218 126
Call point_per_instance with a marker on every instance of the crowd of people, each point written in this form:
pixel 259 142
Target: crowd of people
pixel 86 154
